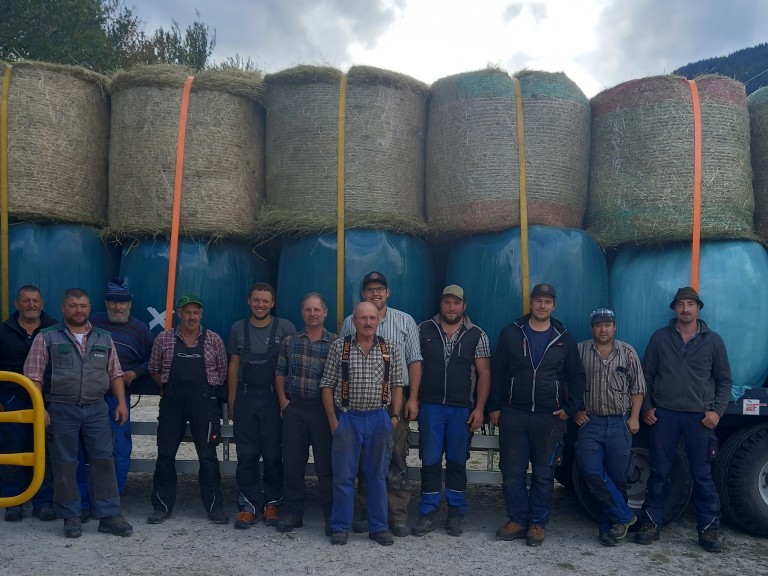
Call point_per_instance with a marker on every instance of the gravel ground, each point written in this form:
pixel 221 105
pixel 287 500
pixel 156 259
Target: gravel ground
pixel 189 544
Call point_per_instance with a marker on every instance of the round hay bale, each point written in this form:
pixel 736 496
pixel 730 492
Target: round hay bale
pixel 473 176
pixel 642 161
pixel 757 104
pixel 385 124
pixel 58 142
pixel 223 180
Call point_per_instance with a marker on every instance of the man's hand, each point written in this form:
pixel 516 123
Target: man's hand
pixel 412 408
pixel 283 405
pixel 129 377
pixel 711 419
pixel 649 417
pixel 633 425
pixel 47 419
pixel 562 414
pixel 494 416
pixel 121 413
pixel 475 420
pixel 333 424
pixel 581 418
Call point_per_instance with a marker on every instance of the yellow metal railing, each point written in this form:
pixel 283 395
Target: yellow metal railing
pixel 36 459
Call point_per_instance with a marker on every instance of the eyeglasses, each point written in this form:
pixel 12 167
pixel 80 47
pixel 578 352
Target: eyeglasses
pixel 376 290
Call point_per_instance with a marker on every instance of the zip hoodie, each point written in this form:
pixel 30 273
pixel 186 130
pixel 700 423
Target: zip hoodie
pixel 558 381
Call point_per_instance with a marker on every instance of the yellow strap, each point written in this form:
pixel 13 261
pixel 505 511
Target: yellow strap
pixel 525 272
pixel 340 205
pixel 4 190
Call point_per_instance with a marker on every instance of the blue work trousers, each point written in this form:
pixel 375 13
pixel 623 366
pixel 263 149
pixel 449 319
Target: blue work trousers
pixel 529 437
pixel 665 434
pixel 443 430
pixel 373 431
pixel 603 455
pixel 68 423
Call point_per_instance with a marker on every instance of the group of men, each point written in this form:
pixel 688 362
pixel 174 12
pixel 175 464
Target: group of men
pixel 350 398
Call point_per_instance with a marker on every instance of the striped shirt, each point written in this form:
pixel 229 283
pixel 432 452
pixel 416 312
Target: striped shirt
pixel 215 356
pixel 366 374
pixel 301 363
pixel 401 329
pixel 611 382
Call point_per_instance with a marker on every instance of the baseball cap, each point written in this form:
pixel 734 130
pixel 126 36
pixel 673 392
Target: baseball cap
pixel 454 290
pixel 189 299
pixel 543 290
pixel 602 315
pixel 374 277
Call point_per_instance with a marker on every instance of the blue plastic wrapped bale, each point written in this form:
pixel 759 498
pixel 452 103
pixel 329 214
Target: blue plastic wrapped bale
pixel 308 264
pixel 55 257
pixel 732 286
pixel 488 267
pixel 220 273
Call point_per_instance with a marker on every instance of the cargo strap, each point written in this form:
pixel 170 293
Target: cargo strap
pixel 345 352
pixel 525 279
pixel 696 239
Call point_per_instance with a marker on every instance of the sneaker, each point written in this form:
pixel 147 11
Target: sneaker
pixel 535 535
pixel 424 525
pixel 73 528
pixel 339 538
pixel 607 540
pixel 288 522
pixel 708 539
pixel 385 537
pixel 244 520
pixel 619 531
pixel 115 525
pixel 399 529
pixel 218 516
pixel 44 513
pixel 510 531
pixel 647 533
pixel 453 524
pixel 360 523
pixel 14 514
pixel 270 515
pixel 158 517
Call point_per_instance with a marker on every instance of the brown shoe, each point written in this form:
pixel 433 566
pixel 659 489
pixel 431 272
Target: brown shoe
pixel 535 535
pixel 510 531
pixel 270 515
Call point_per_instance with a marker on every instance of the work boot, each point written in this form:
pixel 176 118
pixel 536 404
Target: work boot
pixel 708 539
pixel 271 515
pixel 510 531
pixel 158 517
pixel 399 529
pixel 85 515
pixel 359 523
pixel 73 528
pixel 607 540
pixel 218 516
pixel 115 525
pixel 339 538
pixel 453 522
pixel 14 514
pixel 424 525
pixel 244 520
pixel 385 537
pixel 535 535
pixel 45 513
pixel 647 533
pixel 289 522
pixel 619 531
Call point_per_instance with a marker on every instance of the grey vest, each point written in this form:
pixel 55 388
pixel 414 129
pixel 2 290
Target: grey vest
pixel 77 379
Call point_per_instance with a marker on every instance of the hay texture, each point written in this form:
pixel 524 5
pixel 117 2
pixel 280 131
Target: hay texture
pixel 223 178
pixel 58 143
pixel 473 175
pixel 757 104
pixel 642 161
pixel 385 126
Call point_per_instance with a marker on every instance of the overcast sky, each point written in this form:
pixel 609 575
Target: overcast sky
pixel 597 43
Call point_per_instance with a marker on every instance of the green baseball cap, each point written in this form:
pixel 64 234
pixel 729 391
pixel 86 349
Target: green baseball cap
pixel 189 299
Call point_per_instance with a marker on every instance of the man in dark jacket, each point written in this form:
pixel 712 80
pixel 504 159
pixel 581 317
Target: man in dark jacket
pixel 455 381
pixel 689 384
pixel 16 335
pixel 538 383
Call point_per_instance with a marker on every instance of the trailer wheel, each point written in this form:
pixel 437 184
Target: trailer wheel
pixel 743 476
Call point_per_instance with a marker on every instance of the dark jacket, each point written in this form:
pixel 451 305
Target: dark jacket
pixel 695 380
pixel 452 383
pixel 15 344
pixel 557 382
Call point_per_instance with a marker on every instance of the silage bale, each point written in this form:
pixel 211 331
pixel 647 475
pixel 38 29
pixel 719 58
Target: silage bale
pixel 473 175
pixel 758 120
pixel 58 142
pixel 223 178
pixel 642 161
pixel 385 125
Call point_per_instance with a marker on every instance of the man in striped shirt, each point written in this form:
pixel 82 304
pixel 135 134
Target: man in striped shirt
pixel 402 330
pixel 607 421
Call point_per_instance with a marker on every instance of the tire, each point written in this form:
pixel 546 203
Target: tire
pixel 720 469
pixel 680 483
pixel 743 479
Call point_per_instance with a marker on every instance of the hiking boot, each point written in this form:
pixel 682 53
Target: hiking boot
pixel 270 515
pixel 423 525
pixel 360 523
pixel 218 516
pixel 535 535
pixel 289 522
pixel 399 529
pixel 385 537
pixel 607 540
pixel 510 531
pixel 647 533
pixel 453 524
pixel 709 541
pixel 244 520
pixel 115 525
pixel 14 514
pixel 158 517
pixel 44 513
pixel 73 528
pixel 339 538
pixel 619 531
